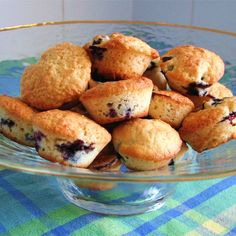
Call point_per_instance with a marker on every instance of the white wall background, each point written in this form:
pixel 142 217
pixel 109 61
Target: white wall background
pixel 219 14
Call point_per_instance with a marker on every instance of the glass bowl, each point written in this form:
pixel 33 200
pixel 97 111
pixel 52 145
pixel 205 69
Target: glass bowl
pixel 121 192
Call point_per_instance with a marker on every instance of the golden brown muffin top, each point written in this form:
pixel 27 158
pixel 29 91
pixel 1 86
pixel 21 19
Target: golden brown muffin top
pixel 147 139
pixel 174 96
pixel 214 112
pixel 122 42
pixel 16 108
pixel 188 63
pixel 66 55
pixel 60 76
pixel 219 90
pixel 70 125
pixel 117 87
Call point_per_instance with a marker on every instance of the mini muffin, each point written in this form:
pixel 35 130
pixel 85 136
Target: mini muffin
pixel 212 126
pixel 60 76
pixel 117 56
pixel 16 120
pixel 217 91
pixel 146 144
pixel 119 100
pixel 170 107
pixel 191 70
pixel 106 160
pixel 154 73
pixel 68 137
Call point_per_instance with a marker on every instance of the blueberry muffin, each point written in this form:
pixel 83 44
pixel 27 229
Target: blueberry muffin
pixel 212 126
pixel 154 73
pixel 146 144
pixel 68 137
pixel 118 100
pixel 16 120
pixel 117 56
pixel 59 77
pixel 191 70
pixel 170 107
pixel 217 91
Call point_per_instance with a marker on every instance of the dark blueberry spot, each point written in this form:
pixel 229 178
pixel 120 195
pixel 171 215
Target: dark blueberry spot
pixel 8 122
pixel 29 137
pixel 216 101
pixel 38 136
pixel 109 104
pixel 97 41
pixel 128 113
pixel 171 163
pixel 112 113
pixel 230 118
pixel 69 149
pixel 164 59
pixel 197 89
pixel 97 52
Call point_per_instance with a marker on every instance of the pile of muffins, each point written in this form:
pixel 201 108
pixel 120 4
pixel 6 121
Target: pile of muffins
pixel 116 99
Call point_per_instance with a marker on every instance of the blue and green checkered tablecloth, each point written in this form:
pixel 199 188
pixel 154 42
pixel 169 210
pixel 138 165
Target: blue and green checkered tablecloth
pixel 34 205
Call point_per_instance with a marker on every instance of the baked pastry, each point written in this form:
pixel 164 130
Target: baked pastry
pixel 191 70
pixel 154 73
pixel 118 56
pixel 16 120
pixel 217 91
pixel 146 144
pixel 60 76
pixel 106 160
pixel 68 137
pixel 212 126
pixel 118 100
pixel 170 107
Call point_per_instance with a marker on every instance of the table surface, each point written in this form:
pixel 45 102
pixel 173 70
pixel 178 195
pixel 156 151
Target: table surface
pixel 33 205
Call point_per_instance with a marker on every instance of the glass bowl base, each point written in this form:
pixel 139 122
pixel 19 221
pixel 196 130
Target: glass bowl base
pixel 123 209
pixel 114 199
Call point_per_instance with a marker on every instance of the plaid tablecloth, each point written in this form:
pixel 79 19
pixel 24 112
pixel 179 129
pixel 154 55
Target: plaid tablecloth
pixel 34 205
